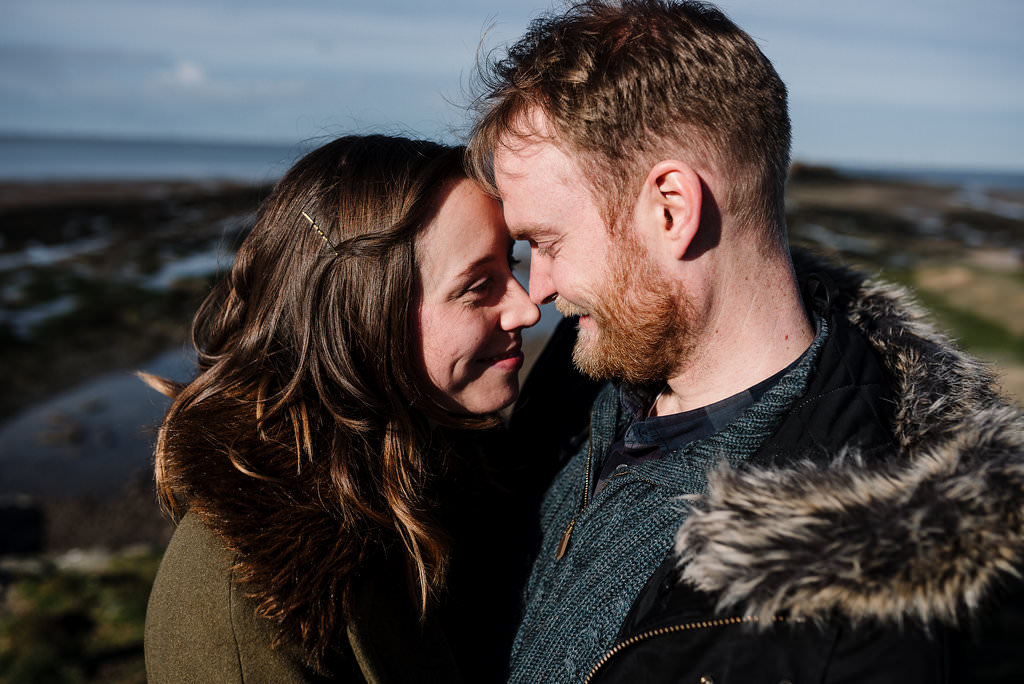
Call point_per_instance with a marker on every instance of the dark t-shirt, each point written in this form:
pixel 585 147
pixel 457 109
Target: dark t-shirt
pixel 649 437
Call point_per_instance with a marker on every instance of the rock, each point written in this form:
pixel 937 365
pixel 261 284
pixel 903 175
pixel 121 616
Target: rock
pixel 22 525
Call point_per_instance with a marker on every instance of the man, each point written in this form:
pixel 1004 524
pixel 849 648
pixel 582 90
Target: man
pixel 791 479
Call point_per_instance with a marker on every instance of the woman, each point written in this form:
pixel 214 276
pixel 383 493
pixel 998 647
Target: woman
pixel 372 306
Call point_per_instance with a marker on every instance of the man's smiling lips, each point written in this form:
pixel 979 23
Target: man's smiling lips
pixel 567 308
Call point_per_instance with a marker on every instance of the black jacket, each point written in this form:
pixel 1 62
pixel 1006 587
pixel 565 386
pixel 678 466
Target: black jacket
pixel 874 536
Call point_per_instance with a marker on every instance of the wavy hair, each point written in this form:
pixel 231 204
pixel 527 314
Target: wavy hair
pixel 625 83
pixel 309 400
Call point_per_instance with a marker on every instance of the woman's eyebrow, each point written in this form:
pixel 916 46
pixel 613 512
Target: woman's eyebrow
pixel 482 261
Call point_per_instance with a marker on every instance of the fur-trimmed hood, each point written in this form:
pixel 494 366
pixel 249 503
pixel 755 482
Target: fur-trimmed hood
pixel 927 535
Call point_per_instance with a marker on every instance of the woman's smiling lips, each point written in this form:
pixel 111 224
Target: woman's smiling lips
pixel 511 359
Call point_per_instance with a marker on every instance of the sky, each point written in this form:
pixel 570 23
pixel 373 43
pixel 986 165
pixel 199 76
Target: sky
pixel 879 83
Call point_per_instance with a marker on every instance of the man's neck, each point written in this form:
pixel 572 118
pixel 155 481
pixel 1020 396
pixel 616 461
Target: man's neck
pixel 756 326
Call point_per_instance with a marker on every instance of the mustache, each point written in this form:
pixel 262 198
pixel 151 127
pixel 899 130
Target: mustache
pixel 567 308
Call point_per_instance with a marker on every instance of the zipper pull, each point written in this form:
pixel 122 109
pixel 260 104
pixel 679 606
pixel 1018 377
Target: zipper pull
pixel 586 487
pixel 565 540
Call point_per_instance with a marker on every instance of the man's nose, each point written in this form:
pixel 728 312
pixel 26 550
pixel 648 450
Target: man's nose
pixel 542 287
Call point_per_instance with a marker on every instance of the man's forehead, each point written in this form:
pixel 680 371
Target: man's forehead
pixel 531 160
pixel 530 141
pixel 514 153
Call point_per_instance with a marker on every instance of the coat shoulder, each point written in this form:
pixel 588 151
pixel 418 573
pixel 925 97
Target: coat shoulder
pixel 201 626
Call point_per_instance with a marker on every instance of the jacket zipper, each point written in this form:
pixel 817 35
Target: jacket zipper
pixel 671 629
pixel 564 544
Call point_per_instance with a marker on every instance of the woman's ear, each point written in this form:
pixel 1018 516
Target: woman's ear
pixel 669 207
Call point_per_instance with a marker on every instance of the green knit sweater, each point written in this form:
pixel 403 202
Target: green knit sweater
pixel 576 604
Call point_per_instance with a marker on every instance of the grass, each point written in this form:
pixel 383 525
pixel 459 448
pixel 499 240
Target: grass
pixel 975 333
pixel 77 626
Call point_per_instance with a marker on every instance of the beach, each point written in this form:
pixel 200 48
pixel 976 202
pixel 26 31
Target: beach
pixel 100 279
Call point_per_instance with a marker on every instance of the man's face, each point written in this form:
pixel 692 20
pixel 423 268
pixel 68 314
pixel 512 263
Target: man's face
pixel 632 323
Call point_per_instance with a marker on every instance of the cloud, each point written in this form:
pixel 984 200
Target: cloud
pixel 185 75
pixel 944 54
pixel 263 69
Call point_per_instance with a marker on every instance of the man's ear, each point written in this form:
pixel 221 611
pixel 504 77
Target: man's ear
pixel 669 206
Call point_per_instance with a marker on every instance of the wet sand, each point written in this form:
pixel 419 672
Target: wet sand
pixel 100 279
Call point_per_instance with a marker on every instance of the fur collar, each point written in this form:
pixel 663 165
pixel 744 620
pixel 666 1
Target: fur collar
pixel 927 536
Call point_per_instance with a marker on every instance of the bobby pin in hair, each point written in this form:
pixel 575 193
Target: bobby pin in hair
pixel 317 229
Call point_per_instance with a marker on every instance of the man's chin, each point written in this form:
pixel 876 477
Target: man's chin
pixel 599 360
pixel 590 358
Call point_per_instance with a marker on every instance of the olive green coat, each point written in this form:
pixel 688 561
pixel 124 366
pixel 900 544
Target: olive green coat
pixel 201 627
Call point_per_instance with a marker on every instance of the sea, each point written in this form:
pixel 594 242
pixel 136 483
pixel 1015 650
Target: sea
pixel 39 158
pixel 71 158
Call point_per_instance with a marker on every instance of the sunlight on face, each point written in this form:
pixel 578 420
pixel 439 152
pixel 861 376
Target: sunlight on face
pixel 633 325
pixel 471 308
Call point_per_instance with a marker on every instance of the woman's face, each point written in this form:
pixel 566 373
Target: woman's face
pixel 471 308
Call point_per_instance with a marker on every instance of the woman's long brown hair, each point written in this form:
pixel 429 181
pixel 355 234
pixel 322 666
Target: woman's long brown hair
pixel 308 384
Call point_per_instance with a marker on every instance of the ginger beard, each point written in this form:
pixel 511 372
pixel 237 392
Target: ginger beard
pixel 644 331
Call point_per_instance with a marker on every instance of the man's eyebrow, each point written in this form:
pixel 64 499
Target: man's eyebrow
pixel 519 233
pixel 527 231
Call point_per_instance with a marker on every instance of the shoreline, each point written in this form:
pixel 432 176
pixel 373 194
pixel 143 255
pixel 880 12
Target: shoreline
pixel 104 276
pixel 45 192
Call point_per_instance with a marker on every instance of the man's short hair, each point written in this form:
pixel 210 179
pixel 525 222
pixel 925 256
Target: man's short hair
pixel 627 84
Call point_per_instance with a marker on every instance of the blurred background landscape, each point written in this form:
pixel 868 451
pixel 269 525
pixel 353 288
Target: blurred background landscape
pixel 137 141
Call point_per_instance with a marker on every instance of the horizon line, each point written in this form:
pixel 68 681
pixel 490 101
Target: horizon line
pixel 278 143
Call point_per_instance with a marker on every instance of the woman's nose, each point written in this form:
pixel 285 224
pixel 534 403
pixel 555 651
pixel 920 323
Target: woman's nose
pixel 519 312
